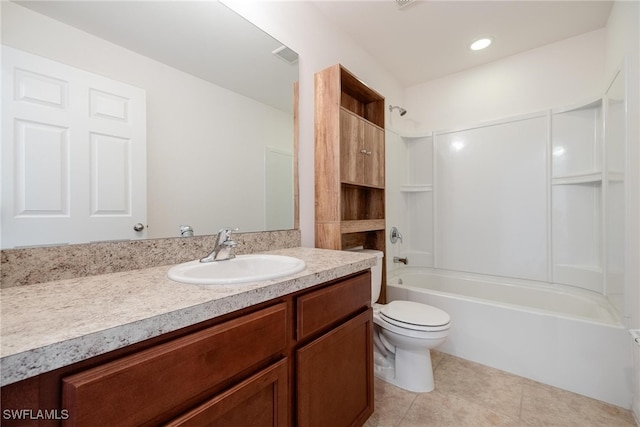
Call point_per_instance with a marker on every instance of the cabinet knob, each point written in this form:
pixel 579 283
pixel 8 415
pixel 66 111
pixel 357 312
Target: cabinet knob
pixel 138 227
pixel 363 151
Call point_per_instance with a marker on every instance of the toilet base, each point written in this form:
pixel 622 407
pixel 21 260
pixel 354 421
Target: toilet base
pixel 409 370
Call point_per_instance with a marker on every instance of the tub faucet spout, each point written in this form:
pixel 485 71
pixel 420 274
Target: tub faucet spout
pixel 404 260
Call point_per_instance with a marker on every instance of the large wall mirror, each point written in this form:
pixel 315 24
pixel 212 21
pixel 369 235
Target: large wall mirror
pixel 216 98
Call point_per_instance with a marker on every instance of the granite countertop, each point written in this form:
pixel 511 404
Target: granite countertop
pixel 49 325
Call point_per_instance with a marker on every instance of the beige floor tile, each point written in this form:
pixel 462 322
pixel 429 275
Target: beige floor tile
pixel 436 358
pixel 487 387
pixel 391 404
pixel 471 395
pixel 547 406
pixel 448 410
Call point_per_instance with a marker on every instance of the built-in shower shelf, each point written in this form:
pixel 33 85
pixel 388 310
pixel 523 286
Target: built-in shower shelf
pixel 581 178
pixel 614 176
pixel 416 188
pixel 415 135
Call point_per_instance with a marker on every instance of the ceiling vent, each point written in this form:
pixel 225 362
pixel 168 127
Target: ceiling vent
pixel 404 3
pixel 287 55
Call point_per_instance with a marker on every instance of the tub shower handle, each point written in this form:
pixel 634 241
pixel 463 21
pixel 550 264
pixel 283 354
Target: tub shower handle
pixel 395 235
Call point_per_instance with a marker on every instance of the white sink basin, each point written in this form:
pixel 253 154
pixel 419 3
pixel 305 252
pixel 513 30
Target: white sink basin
pixel 241 269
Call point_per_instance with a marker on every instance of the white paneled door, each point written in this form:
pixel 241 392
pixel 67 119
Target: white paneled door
pixel 73 154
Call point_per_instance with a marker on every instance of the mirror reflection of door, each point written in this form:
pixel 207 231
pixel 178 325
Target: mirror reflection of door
pixel 73 152
pixel 278 189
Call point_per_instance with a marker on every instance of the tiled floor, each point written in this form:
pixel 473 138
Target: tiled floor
pixel 469 394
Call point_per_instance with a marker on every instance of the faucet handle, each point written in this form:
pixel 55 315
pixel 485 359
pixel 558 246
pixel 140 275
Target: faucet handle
pixel 186 231
pixel 225 233
pixel 228 230
pixel 230 243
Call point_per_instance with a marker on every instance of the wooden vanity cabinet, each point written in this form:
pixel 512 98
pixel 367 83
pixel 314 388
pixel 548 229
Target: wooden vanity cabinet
pixel 304 359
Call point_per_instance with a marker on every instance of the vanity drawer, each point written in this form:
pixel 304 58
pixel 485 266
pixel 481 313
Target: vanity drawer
pixel 261 400
pixel 319 309
pixel 146 386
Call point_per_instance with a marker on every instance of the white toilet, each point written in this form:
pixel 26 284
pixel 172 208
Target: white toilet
pixel 405 332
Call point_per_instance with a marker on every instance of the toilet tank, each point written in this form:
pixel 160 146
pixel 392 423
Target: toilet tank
pixel 376 272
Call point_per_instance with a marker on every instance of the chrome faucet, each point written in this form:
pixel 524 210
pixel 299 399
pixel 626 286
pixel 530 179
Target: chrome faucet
pixel 404 260
pixel 186 231
pixel 223 247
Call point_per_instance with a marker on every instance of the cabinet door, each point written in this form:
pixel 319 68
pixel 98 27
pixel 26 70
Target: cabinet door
pixel 260 401
pixel 351 146
pixel 335 376
pixel 373 156
pixel 361 151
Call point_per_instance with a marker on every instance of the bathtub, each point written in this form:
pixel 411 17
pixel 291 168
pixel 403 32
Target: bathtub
pixel 566 338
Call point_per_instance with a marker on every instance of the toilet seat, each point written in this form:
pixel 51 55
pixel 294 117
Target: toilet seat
pixel 415 316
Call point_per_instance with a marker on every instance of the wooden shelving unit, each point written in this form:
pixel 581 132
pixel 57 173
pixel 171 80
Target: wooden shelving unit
pixel 349 163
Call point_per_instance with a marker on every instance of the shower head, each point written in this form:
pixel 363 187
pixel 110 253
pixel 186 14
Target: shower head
pixel 400 109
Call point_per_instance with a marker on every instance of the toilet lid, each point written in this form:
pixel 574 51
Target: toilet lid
pixel 414 313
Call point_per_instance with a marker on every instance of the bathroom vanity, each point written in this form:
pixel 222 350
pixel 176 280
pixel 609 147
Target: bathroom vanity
pixel 296 351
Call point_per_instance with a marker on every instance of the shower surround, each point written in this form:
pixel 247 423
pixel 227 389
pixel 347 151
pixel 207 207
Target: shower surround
pixel 537 199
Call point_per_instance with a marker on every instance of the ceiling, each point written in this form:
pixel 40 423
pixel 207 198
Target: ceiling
pixel 419 42
pixel 203 38
pixel 428 39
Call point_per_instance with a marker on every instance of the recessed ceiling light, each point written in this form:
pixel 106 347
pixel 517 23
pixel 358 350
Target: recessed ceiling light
pixel 481 43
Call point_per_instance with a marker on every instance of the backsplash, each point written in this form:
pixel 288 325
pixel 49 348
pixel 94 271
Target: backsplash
pixel 28 266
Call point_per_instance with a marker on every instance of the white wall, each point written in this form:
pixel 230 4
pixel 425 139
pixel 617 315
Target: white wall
pixel 566 72
pixel 397 205
pixel 193 129
pixel 302 27
pixel 623 41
